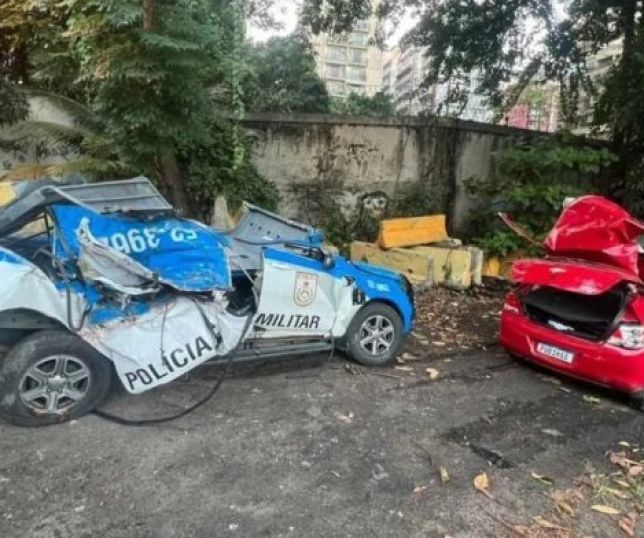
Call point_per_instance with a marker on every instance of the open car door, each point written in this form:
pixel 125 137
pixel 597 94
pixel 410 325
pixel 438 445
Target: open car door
pixel 297 298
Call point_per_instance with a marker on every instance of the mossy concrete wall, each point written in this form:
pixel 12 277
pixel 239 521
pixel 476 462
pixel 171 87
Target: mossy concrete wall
pixel 322 162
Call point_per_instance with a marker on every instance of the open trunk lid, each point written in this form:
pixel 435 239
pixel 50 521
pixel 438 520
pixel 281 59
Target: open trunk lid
pixel 575 276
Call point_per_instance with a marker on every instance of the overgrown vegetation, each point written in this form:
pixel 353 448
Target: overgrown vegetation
pixel 148 83
pixel 282 77
pixel 534 180
pixel 377 105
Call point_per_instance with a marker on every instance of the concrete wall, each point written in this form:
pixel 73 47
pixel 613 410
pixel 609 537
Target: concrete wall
pixel 321 162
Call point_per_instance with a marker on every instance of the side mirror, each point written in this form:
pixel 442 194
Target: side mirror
pixel 329 260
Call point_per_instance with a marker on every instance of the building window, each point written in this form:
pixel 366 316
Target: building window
pixel 336 89
pixel 339 39
pixel 337 54
pixel 358 56
pixel 357 74
pixel 334 71
pixel 356 89
pixel 361 25
pixel 358 39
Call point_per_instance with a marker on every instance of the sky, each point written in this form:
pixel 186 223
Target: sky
pixel 286 13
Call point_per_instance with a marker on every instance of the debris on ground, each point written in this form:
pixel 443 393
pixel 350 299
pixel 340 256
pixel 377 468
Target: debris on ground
pixel 615 493
pixel 448 320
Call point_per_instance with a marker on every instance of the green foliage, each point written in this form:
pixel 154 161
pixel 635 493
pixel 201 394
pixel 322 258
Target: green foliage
pixel 212 172
pixel 378 105
pixel 416 202
pixel 146 82
pixel 282 77
pixel 340 230
pixel 13 103
pixel 533 183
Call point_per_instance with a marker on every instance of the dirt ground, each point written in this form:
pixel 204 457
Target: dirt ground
pixel 311 447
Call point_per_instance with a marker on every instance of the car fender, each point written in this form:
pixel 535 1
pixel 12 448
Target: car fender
pixel 382 285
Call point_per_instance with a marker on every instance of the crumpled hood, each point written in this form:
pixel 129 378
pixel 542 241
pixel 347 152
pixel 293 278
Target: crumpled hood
pixel 596 229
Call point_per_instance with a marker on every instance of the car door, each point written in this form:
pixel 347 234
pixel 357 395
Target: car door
pixel 297 297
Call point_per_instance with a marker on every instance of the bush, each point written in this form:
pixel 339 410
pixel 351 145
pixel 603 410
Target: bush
pixel 533 183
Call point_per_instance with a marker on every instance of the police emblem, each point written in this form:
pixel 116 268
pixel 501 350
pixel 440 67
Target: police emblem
pixel 306 286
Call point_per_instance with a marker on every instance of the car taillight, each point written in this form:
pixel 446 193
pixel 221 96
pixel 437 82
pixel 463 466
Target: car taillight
pixel 512 304
pixel 628 337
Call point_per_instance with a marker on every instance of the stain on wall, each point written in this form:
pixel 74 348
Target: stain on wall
pixel 321 163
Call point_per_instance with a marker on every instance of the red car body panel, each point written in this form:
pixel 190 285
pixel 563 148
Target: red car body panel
pixel 591 250
pixel 595 229
pixel 576 276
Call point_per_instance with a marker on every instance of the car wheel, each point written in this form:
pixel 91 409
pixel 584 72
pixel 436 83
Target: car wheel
pixel 50 377
pixel 375 335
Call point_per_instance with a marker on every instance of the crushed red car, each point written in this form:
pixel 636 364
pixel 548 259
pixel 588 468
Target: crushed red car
pixel 580 309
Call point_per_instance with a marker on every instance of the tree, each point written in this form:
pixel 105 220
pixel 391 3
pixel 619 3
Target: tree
pixel 378 105
pixel 149 80
pixel 522 41
pixel 282 77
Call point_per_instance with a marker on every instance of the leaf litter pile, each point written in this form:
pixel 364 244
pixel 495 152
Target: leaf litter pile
pixel 617 494
pixel 449 320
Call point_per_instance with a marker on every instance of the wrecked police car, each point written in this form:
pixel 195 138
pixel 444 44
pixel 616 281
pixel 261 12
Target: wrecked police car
pixel 102 278
pixel 580 310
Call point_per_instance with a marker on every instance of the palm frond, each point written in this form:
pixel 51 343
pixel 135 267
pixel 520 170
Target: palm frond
pixel 26 172
pixel 51 137
pixel 75 109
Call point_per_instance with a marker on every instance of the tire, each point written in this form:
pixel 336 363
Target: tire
pixel 379 352
pixel 50 377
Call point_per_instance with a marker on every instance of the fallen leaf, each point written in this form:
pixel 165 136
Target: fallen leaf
pixel 622 483
pixel 627 524
pixel 564 507
pixel 347 419
pixel 432 373
pixel 404 368
pixel 636 470
pixel 591 399
pixel 542 478
pixel 419 489
pixel 617 493
pixel 542 522
pixel 605 509
pixel 624 443
pixel 351 369
pixel 482 484
pixel 553 432
pixel 443 474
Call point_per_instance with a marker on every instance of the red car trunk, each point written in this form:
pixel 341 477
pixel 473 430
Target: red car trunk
pixel 580 310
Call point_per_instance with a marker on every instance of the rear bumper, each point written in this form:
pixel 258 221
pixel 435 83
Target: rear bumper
pixel 594 362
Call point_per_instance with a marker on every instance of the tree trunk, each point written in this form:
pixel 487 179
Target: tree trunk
pixel 170 171
pixel 149 8
pixel 173 180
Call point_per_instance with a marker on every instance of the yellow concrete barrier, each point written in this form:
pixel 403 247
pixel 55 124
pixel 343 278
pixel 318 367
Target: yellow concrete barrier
pixel 7 192
pixel 412 232
pixel 416 266
pixel 453 267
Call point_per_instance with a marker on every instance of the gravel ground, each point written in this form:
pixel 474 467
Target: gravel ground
pixel 309 447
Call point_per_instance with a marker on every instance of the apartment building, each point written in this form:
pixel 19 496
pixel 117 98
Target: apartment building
pixel 349 63
pixel 404 72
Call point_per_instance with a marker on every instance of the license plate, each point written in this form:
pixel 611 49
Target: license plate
pixel 555 353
